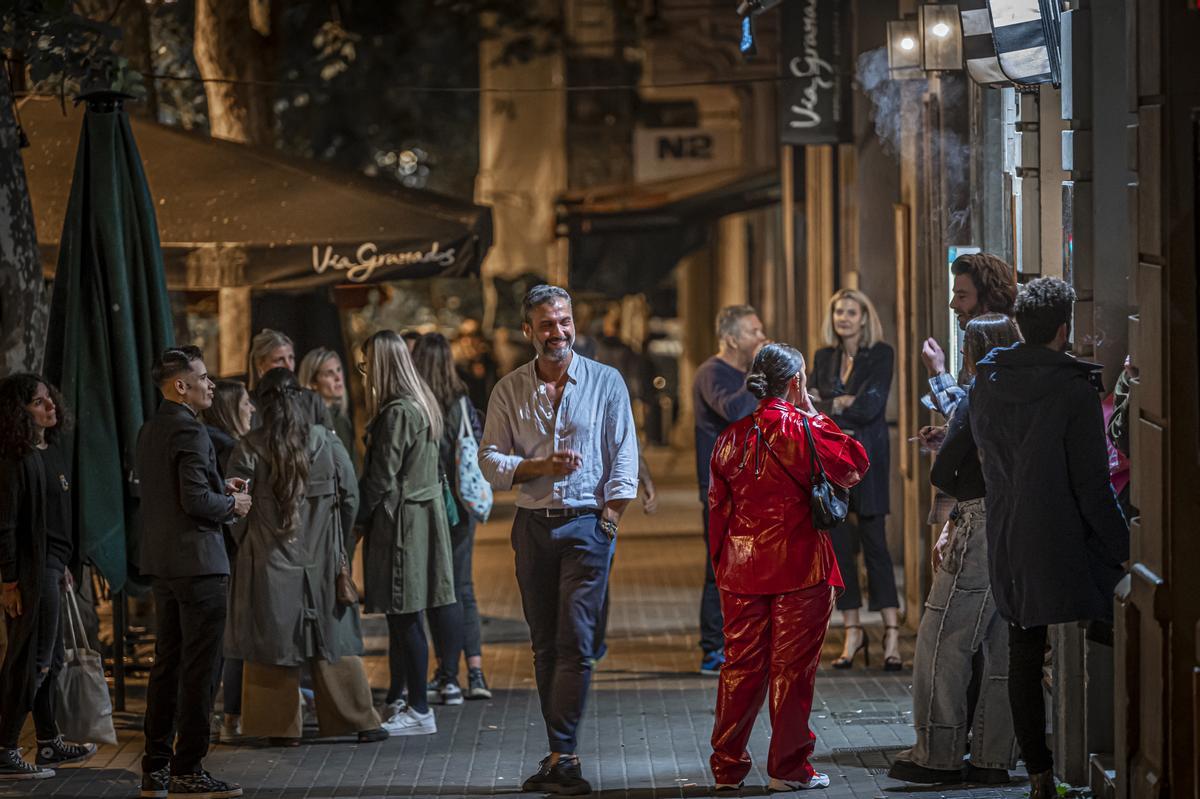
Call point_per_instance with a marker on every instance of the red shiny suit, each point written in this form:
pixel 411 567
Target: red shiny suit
pixel 776 574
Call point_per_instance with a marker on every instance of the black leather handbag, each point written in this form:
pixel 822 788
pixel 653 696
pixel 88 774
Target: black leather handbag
pixel 830 504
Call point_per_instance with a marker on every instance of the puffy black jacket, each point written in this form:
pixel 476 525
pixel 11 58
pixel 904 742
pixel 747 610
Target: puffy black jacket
pixel 1056 535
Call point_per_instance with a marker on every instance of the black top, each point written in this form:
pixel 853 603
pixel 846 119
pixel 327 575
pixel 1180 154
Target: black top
pixel 870 383
pixel 60 543
pixel 956 469
pixel 1056 534
pixel 223 445
pixel 183 498
pixel 719 398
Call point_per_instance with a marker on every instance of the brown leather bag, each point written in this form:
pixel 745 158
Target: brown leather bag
pixel 347 591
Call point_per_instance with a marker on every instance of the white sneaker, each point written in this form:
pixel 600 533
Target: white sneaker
pixel 231 729
pixel 818 780
pixel 410 722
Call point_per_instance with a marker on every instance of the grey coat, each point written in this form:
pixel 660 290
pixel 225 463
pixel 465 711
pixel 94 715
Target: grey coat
pixel 406 543
pixel 282 607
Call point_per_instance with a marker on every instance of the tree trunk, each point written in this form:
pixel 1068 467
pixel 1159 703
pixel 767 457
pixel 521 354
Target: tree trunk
pixel 228 48
pixel 23 309
pixel 134 21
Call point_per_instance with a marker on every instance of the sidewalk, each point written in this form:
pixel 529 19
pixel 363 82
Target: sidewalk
pixel 646 730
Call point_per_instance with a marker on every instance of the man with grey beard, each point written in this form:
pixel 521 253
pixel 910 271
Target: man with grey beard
pixel 561 428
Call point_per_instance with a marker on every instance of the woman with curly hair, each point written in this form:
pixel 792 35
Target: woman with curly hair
pixel 38 551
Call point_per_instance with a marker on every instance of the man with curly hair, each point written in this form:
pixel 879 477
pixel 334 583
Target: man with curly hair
pixel 983 283
pixel 1057 539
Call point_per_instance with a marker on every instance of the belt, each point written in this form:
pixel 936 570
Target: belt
pixel 561 513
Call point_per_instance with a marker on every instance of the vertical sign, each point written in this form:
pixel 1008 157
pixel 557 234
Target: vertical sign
pixel 814 101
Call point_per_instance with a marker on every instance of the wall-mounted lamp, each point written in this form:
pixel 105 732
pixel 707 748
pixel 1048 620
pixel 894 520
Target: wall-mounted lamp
pixel 904 49
pixel 941 37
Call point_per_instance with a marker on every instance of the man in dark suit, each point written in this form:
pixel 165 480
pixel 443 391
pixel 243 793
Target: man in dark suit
pixel 184 505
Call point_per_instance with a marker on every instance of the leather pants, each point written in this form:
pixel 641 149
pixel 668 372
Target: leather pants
pixel 775 641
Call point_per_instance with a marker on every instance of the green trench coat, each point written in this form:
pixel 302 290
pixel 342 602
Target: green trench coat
pixel 406 539
pixel 283 604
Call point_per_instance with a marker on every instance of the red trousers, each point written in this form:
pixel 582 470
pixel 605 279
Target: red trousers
pixel 775 640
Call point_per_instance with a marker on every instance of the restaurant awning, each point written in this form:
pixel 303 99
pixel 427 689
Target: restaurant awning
pixel 625 239
pixel 232 215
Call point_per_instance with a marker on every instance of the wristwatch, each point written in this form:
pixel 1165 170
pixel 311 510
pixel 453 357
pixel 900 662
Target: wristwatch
pixel 609 527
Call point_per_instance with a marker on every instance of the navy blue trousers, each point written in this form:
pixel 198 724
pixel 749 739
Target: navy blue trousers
pixel 562 571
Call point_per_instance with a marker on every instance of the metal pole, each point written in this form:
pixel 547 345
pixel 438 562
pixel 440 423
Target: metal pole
pixel 119 626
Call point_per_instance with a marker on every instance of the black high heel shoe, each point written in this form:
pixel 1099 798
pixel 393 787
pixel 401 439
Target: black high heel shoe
pixel 864 647
pixel 892 662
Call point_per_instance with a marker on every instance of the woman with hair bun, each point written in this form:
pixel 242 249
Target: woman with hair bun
pixel 776 573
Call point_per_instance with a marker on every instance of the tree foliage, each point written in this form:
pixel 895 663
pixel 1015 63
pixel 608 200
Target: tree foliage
pixel 63 50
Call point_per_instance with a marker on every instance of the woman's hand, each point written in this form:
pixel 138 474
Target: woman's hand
pixel 805 405
pixel 10 599
pixel 68 582
pixel 840 404
pixel 940 547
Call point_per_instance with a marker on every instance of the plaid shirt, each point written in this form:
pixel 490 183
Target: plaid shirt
pixel 944 395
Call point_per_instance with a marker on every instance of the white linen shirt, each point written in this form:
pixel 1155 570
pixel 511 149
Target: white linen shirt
pixel 594 418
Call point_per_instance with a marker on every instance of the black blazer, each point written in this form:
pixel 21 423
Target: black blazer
pixel 183 497
pixel 865 419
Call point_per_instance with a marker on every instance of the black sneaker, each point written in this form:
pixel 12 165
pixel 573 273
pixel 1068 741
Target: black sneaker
pixel 477 687
pixel 564 778
pixel 58 752
pixel 444 690
pixel 156 783
pixel 372 736
pixel 908 771
pixel 202 785
pixel 15 767
pixel 538 780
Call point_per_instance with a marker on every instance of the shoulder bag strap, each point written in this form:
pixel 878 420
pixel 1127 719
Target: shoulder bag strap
pixel 464 421
pixel 814 460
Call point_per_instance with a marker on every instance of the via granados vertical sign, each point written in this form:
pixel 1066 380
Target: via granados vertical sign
pixel 814 99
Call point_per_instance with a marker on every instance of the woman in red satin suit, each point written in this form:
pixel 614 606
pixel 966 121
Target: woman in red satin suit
pixel 776 573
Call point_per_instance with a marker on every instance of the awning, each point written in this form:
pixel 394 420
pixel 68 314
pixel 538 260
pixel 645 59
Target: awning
pixel 625 239
pixel 233 215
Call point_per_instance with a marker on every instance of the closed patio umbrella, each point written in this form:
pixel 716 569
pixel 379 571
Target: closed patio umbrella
pixel 109 318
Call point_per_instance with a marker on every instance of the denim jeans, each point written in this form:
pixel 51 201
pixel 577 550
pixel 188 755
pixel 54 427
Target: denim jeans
pixel 455 630
pixel 961 619
pixel 562 571
pixel 712 637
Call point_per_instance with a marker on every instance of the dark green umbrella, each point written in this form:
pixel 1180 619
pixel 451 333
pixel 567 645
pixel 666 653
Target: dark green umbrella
pixel 109 318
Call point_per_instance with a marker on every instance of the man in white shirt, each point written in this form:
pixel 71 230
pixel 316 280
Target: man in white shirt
pixel 561 428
